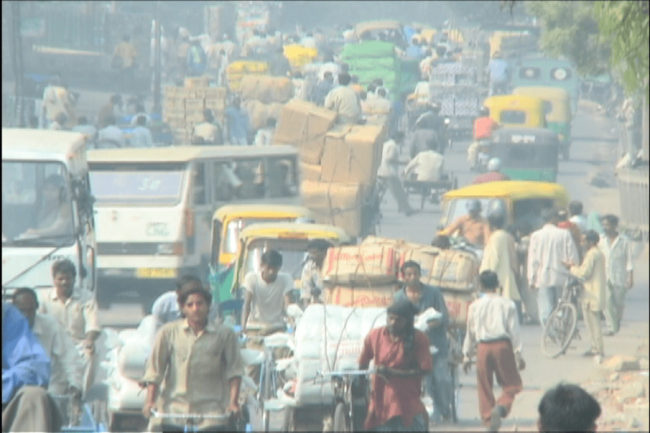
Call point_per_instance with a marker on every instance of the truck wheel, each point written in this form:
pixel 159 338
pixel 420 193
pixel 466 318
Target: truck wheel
pixel 341 421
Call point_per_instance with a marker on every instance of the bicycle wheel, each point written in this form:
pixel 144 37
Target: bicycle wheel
pixel 341 421
pixel 559 330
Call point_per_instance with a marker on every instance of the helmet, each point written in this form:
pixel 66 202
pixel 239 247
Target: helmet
pixel 494 164
pixel 473 205
pixel 496 213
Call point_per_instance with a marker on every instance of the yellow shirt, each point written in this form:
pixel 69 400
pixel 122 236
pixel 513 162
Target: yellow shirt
pixel 592 271
pixel 127 52
pixel 77 315
pixel 195 369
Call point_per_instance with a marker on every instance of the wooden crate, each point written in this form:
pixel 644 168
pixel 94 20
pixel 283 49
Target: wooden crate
pixel 192 105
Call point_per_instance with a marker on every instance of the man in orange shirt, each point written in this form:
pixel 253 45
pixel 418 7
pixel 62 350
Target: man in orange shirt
pixel 402 359
pixel 483 127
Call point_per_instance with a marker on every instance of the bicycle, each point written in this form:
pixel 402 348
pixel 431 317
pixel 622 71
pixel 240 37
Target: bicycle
pixel 192 420
pixel 346 397
pixel 270 378
pixel 561 326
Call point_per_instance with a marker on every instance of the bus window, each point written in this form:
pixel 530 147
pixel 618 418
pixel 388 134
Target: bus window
pixel 281 179
pixel 137 184
pixel 251 173
pixel 225 182
pixel 199 184
pixel 36 204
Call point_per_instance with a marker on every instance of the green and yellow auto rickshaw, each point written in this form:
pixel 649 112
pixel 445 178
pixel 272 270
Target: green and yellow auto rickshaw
pixel 526 153
pixel 558 111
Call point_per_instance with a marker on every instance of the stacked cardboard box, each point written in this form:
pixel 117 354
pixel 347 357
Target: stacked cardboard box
pixel 183 106
pixel 360 275
pixel 338 163
pixel 263 97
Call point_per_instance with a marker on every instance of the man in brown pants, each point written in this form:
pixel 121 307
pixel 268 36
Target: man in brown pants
pixel 493 332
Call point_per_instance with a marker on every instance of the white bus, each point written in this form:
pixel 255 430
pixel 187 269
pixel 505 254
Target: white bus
pixel 47 208
pixel 154 208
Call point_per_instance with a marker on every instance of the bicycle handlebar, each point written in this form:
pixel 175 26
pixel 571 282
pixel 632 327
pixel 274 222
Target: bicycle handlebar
pixel 346 373
pixel 188 416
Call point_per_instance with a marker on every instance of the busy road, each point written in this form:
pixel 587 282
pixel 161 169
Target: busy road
pixel 593 151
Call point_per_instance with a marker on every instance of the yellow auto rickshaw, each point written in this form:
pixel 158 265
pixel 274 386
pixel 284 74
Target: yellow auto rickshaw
pixel 523 201
pixel 558 111
pixel 517 110
pixel 228 222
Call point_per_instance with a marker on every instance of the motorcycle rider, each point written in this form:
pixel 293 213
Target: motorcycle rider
pixel 483 127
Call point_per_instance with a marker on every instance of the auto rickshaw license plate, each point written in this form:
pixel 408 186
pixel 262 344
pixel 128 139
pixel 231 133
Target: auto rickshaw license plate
pixel 156 273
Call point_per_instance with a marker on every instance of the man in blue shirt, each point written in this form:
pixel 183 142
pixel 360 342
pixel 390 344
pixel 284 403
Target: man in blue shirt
pixel 423 296
pixel 25 375
pixel 499 74
pixel 166 309
pixel 238 123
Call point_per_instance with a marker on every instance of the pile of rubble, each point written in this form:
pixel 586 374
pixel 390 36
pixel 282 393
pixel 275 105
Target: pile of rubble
pixel 621 388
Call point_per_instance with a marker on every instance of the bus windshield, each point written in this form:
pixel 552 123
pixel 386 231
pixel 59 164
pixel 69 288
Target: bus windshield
pixel 137 183
pixel 36 204
pixel 293 255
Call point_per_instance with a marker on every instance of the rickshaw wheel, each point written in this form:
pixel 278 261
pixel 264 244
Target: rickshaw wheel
pixel 341 421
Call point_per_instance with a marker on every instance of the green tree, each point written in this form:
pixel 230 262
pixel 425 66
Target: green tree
pixel 624 26
pixel 570 29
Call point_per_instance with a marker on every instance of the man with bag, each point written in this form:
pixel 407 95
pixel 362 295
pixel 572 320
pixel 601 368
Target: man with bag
pixel 493 334
pixel 424 297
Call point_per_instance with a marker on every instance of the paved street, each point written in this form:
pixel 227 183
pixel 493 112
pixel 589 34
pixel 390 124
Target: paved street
pixel 593 150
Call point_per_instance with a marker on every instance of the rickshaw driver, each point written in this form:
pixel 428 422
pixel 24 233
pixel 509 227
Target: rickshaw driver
pixel 402 358
pixel 473 227
pixel 182 369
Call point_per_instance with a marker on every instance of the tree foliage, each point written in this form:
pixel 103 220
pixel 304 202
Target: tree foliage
pixel 624 26
pixel 569 29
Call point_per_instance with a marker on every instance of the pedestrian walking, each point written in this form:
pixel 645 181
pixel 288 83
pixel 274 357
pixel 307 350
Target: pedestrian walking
pixel 238 123
pixel 549 248
pixel 401 357
pixel 388 173
pixel 500 255
pixel 592 298
pixel 438 383
pixel 619 271
pixel 493 334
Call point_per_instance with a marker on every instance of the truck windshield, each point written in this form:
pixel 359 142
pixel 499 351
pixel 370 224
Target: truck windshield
pixel 293 255
pixel 145 184
pixel 36 204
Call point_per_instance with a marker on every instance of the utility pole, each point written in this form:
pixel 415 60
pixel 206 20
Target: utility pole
pixel 17 48
pixel 157 62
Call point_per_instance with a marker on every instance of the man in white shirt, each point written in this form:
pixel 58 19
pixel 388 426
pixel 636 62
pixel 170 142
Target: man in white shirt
pixel 311 280
pixel 493 333
pixel 549 248
pixel 425 167
pixel 388 172
pixel 576 216
pixel 619 271
pixel 111 135
pixel 264 135
pixel 209 131
pixel 344 101
pixel 141 136
pixel 65 377
pixel 266 297
pixel 266 294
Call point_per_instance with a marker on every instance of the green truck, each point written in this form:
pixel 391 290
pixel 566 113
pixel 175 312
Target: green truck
pixel 370 60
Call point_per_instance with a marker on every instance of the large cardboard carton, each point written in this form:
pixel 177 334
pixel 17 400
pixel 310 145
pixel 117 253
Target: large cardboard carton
pixel 310 171
pixel 360 265
pixel 266 88
pixel 361 296
pixel 457 306
pixel 338 204
pixel 305 125
pixel 455 270
pixel 355 157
